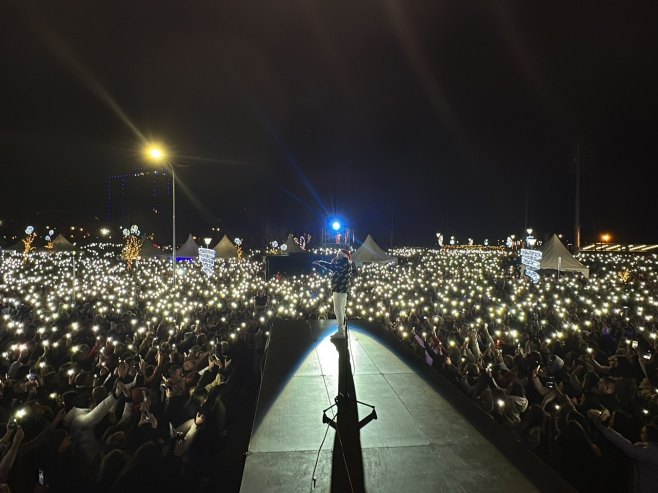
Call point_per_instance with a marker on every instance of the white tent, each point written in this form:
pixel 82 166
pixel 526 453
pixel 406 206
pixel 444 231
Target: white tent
pixel 555 256
pixel 61 244
pixel 189 249
pixel 369 251
pixel 16 247
pixel 225 248
pixel 291 245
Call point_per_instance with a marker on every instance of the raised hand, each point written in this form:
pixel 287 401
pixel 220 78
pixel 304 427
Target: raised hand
pixel 122 369
pixel 19 434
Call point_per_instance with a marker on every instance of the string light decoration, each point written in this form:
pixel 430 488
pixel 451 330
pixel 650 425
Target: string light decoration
pixel 28 240
pixel 624 276
pixel 274 248
pixel 474 247
pixel 133 247
pixel 49 240
pixel 303 241
pixel 238 242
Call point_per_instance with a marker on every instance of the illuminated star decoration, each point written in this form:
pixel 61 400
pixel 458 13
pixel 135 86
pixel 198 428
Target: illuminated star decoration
pixel 133 246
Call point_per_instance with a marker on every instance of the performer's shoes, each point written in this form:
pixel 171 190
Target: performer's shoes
pixel 338 335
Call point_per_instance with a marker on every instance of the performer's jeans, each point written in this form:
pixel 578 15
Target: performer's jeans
pixel 340 303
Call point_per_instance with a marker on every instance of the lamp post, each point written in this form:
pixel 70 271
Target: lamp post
pixel 157 154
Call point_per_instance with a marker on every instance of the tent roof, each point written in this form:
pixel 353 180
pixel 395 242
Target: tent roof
pixel 225 248
pixel 292 246
pixel 16 247
pixel 188 249
pixel 370 251
pixel 61 244
pixel 554 253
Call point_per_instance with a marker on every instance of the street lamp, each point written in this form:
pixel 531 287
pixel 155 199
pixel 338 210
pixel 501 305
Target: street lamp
pixel 207 242
pixel 156 154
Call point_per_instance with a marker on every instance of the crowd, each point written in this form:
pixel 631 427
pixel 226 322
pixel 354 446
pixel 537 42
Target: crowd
pixel 115 380
pixel 568 364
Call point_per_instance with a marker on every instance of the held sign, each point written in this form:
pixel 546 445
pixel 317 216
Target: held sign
pixel 207 259
pixel 531 259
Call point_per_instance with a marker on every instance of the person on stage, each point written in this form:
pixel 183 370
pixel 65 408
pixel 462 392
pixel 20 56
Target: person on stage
pixel 343 269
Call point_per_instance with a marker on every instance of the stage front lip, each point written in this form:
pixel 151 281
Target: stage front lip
pixel 419 441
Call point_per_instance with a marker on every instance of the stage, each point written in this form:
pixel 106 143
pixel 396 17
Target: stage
pixel 419 441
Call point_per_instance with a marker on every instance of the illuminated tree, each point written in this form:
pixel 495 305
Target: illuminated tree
pixel 133 246
pixel 29 239
pixel 238 242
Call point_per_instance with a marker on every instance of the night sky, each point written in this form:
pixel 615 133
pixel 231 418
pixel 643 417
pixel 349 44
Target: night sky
pixel 406 117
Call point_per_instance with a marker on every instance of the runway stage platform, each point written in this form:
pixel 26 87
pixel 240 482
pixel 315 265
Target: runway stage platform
pixel 421 440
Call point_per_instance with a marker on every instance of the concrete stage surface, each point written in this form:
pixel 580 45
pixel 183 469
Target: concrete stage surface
pixel 419 443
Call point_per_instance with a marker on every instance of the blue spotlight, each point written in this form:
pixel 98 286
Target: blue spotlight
pixel 335 225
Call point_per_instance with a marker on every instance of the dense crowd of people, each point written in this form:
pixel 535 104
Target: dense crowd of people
pixel 119 380
pixel 114 381
pixel 568 364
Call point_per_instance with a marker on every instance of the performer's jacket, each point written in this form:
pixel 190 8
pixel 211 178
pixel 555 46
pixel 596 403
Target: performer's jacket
pixel 343 270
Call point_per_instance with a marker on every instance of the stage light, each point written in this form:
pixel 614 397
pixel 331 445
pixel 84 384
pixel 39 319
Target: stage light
pixel 335 225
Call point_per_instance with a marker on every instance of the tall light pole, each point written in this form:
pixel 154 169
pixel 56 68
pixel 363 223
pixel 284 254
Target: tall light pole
pixel 577 221
pixel 157 154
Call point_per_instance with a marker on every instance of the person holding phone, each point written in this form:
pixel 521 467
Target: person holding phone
pixel 15 435
pixel 342 270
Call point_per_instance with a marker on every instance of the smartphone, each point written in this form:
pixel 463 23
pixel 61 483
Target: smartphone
pixel 634 344
pixel 646 355
pixel 32 376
